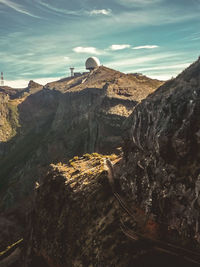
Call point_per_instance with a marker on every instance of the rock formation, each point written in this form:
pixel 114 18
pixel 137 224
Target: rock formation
pixel 54 123
pixel 66 118
pixel 161 157
pixel 157 178
pixel 84 225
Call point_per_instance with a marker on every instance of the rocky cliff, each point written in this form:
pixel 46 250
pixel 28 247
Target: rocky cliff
pixel 83 224
pixel 161 155
pixel 54 123
pixel 141 209
pixel 10 99
pixel 66 118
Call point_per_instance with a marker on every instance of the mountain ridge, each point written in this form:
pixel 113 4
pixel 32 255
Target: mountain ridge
pixel 57 119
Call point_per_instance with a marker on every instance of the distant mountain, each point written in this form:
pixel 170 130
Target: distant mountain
pixel 10 91
pixel 14 93
pixel 10 99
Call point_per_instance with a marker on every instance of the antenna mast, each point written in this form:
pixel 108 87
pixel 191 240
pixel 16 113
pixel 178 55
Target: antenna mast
pixel 2 80
pixel 72 71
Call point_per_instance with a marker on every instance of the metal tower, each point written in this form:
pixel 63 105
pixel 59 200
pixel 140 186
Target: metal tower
pixel 72 71
pixel 2 80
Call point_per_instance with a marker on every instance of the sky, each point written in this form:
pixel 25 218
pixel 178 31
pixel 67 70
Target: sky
pixel 41 39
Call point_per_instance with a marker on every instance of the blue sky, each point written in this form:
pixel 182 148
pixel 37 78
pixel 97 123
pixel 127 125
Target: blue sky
pixel 41 39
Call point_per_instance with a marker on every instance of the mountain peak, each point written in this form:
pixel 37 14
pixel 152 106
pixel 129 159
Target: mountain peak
pixel 116 83
pixel 33 84
pixel 192 72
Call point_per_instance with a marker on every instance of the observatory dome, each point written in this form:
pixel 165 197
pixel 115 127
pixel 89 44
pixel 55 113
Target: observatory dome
pixel 92 63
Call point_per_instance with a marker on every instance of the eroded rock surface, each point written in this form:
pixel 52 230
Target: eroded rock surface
pixel 161 157
pixel 84 227
pixel 77 221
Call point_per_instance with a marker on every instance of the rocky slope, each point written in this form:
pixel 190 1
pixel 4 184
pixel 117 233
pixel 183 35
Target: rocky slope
pixel 10 99
pixel 65 118
pixel 150 216
pixel 82 223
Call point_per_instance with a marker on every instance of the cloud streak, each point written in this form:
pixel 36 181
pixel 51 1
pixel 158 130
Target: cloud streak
pixel 61 11
pixel 17 8
pixel 77 12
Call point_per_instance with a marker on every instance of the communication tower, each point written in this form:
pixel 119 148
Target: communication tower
pixel 2 80
pixel 72 71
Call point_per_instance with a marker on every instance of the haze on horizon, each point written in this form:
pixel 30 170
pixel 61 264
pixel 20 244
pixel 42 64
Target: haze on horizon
pixel 41 39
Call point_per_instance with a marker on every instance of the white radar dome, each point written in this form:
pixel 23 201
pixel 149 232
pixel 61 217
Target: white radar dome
pixel 92 63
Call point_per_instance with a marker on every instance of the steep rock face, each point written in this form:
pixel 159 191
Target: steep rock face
pixel 162 153
pixel 67 118
pixel 10 99
pixel 76 220
pixel 83 215
pixel 26 149
pixel 8 120
pixel 94 106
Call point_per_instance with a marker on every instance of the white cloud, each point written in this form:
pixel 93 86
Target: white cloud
pixel 161 77
pixel 100 12
pixel 87 50
pixel 16 7
pixel 16 83
pixel 119 47
pixel 145 47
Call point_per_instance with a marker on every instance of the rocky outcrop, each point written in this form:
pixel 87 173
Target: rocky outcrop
pixel 161 157
pixel 83 217
pixel 78 219
pixel 14 93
